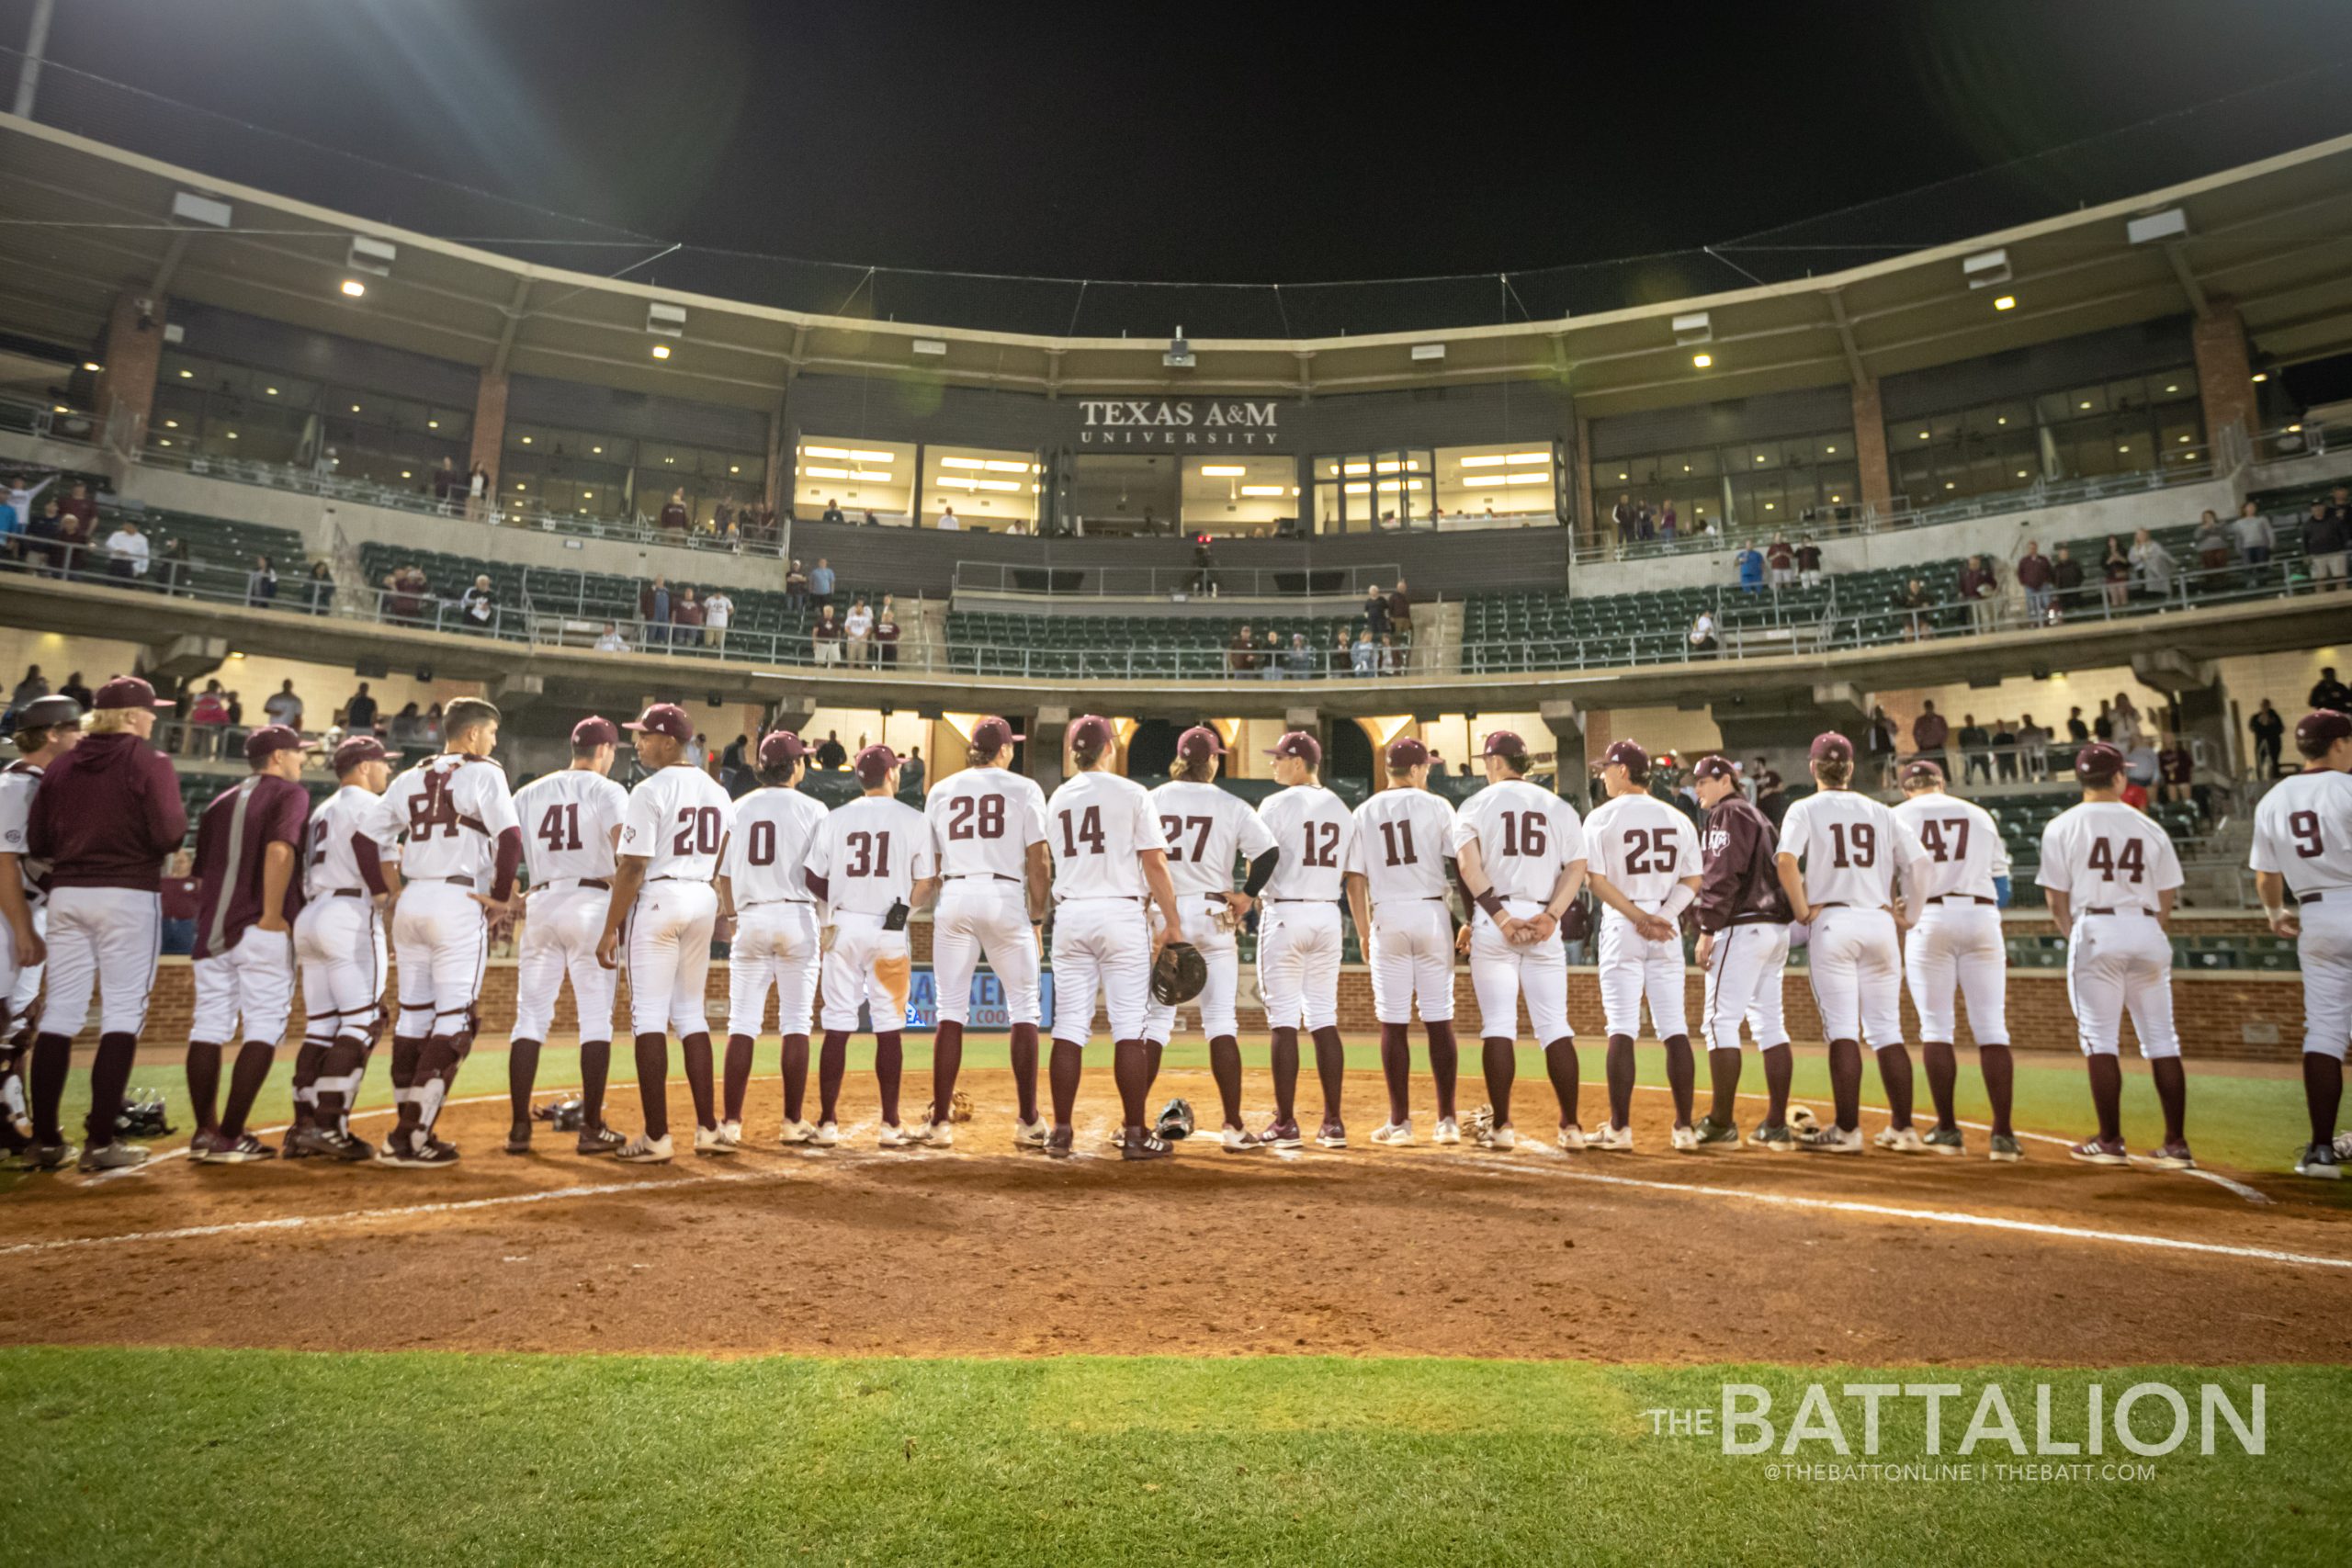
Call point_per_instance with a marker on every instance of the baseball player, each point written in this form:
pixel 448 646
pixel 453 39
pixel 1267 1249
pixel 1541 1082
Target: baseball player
pixel 988 840
pixel 1519 851
pixel 1400 872
pixel 105 817
pixel 773 917
pixel 1109 850
pixel 2302 840
pixel 673 834
pixel 1839 854
pixel 1743 920
pixel 1644 868
pixel 1299 941
pixel 249 889
pixel 1207 830
pixel 871 864
pixel 460 837
pixel 2112 877
pixel 46 729
pixel 350 874
pixel 571 822
pixel 1955 943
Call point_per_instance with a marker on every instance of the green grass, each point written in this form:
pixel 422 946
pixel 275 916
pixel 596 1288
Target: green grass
pixel 258 1457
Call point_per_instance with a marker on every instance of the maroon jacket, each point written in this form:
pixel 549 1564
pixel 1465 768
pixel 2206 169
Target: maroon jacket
pixel 231 840
pixel 2033 570
pixel 1739 884
pixel 107 815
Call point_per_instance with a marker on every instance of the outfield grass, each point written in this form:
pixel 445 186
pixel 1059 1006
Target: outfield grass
pixel 232 1457
pixel 2235 1119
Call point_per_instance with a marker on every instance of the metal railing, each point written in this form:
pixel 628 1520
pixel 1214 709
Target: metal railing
pixel 1047 581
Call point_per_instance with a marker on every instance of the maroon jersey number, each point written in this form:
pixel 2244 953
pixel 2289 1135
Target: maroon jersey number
pixel 1322 847
pixel 1945 836
pixel 759 848
pixel 1648 849
pixel 873 854
pixel 2123 865
pixel 560 827
pixel 697 832
pixel 1398 838
pixel 1853 844
pixel 1523 833
pixel 976 816
pixel 1086 829
pixel 2304 826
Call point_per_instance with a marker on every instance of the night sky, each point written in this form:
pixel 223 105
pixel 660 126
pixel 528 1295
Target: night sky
pixel 1263 144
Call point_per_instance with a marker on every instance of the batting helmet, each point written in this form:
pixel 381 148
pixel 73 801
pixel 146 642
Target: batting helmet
pixel 1175 1122
pixel 1177 974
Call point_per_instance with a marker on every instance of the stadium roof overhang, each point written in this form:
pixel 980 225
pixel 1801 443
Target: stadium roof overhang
pixel 86 221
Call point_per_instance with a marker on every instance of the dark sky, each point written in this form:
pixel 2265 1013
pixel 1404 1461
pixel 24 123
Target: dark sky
pixel 1261 143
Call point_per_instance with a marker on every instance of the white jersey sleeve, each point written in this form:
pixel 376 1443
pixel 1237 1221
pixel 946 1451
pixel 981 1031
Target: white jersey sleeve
pixel 1098 827
pixel 1315 830
pixel 330 862
pixel 983 821
pixel 1403 838
pixel 2104 854
pixel 677 820
pixel 1643 846
pixel 1526 836
pixel 568 819
pixel 1961 843
pixel 769 848
pixel 871 853
pixel 17 782
pixel 2302 831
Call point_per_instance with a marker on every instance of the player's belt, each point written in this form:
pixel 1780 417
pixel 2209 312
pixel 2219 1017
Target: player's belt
pixel 1964 898
pixel 981 876
pixel 765 903
pixel 348 893
pixel 2122 910
pixel 1873 908
pixel 559 884
pixel 1424 899
pixel 459 881
pixel 1301 901
pixel 2323 893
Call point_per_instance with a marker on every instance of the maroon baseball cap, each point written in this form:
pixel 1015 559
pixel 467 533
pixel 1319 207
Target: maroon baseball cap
pixel 1301 745
pixel 1091 735
pixel 1923 767
pixel 779 750
pixel 992 734
pixel 665 718
pixel 594 730
pixel 271 737
pixel 1629 755
pixel 2319 729
pixel 1831 747
pixel 1406 752
pixel 873 765
pixel 1503 743
pixel 2097 763
pixel 357 750
pixel 1200 743
pixel 129 692
pixel 1714 767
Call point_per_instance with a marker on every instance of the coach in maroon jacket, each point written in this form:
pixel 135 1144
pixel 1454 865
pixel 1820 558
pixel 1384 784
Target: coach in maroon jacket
pixel 248 845
pixel 1743 919
pixel 106 815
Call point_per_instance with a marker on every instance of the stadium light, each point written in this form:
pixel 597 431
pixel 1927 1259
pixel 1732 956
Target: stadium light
pixel 660 351
pixel 1700 361
pixel 1987 268
pixel 354 287
pixel 1696 327
pixel 2006 302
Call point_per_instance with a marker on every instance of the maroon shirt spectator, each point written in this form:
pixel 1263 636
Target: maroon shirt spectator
pixel 1808 557
pixel 1976 581
pixel 886 639
pixel 1929 731
pixel 179 897
pixel 675 518
pixel 2033 569
pixel 106 815
pixel 232 838
pixel 82 509
pixel 2173 765
pixel 1739 884
pixel 1780 555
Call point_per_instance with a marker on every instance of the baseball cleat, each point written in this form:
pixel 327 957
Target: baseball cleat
pixel 1141 1144
pixel 1394 1135
pixel 423 1154
pixel 1059 1144
pixel 732 1134
pixel 1611 1139
pixel 1501 1139
pixel 2099 1151
pixel 46 1156
pixel 291 1146
pixel 2318 1161
pixel 518 1138
pixel 1281 1135
pixel 334 1143
pixel 1685 1138
pixel 1831 1140
pixel 2174 1156
pixel 1902 1140
pixel 798 1132
pixel 1029 1134
pixel 219 1148
pixel 707 1141
pixel 100 1157
pixel 1235 1141
pixel 1449 1131
pixel 1945 1141
pixel 1572 1138
pixel 894 1137
pixel 937 1135
pixel 827 1136
pixel 1776 1139
pixel 598 1140
pixel 1330 1135
pixel 1711 1133
pixel 642 1150
pixel 2005 1149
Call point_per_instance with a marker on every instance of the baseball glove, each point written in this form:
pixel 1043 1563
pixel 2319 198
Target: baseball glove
pixel 1177 974
pixel 142 1115
pixel 1478 1123
pixel 1175 1122
pixel 959 1107
pixel 1226 918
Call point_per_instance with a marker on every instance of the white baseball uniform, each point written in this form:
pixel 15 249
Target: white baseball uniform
pixel 1098 827
pixel 1299 938
pixel 871 853
pixel 775 939
pixel 1402 841
pixel 2302 831
pixel 570 821
pixel 678 819
pixel 339 936
pixel 1526 836
pixel 2111 860
pixel 983 822
pixel 451 810
pixel 1955 942
pixel 19 981
pixel 1645 847
pixel 1851 848
pixel 1208 830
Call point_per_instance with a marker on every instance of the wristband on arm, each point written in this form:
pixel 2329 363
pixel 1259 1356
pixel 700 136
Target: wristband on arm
pixel 1681 898
pixel 1492 903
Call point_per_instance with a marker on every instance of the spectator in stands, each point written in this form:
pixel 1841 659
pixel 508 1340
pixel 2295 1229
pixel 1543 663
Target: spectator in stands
pixel 44 542
pixel 1781 557
pixel 359 712
pixel 830 755
pixel 173 568
pixel 447 483
pixel 2103 722
pixel 318 589
pixel 1878 741
pixel 80 506
pixel 722 518
pixel 2005 751
pixel 2115 570
pixel 1340 658
pixel 1624 517
pixel 1809 562
pixel 655 608
pixel 1644 522
pixel 478 493
pixel 821 582
pixel 950 523
pixel 1913 600
pixel 796 587
pixel 432 723
pixel 127 552
pixel 857 630
pixel 2175 769
pixel 2077 732
pixel 2034 751
pixel 1749 564
pixel 284 707
pixel 675 518
pixel 66 530
pixel 207 718
pixel 1667 520
pixel 1980 589
pixel 1375 611
pixel 868 519
pixel 825 638
pixel 833 513
pixel 2325 539
pixel 1975 748
pixel 911 773
pixel 2255 536
pixel 179 891
pixel 1760 781
pixel 1363 655
pixel 1392 658
pixel 2212 544
pixel 2067 583
pixel 31 689
pixel 1703 634
pixel 261 584
pixel 2140 763
pixel 415 589
pixel 1400 612
pixel 1299 661
pixel 2126 719
pixel 1241 653
pixel 685 620
pixel 407 728
pixel 2268 727
pixel 1929 733
pixel 2330 692
pixel 2152 565
pixel 885 637
pixel 2033 574
pixel 478 605
pixel 20 498
pixel 718 614
pixel 74 689
pixel 611 640
pixel 1271 662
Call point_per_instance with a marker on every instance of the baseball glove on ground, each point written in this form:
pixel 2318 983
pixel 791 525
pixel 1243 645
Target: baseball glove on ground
pixel 142 1115
pixel 1175 1122
pixel 1177 974
pixel 1477 1122
pixel 959 1107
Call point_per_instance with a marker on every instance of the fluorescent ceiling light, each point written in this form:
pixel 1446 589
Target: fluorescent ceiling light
pixel 1265 490
pixel 354 287
pixel 1223 470
pixel 815 472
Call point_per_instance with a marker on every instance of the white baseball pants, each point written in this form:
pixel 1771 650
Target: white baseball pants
pixel 854 973
pixel 1744 973
pixel 669 956
pixel 2118 964
pixel 251 985
pixel 1223 955
pixel 561 926
pixel 1102 948
pixel 441 937
pixel 980 916
pixel 1958 948
pixel 23 986
pixel 1298 963
pixel 1634 967
pixel 774 945
pixel 1412 961
pixel 1501 973
pixel 105 940
pixel 339 947
pixel 1857 969
pixel 2326 948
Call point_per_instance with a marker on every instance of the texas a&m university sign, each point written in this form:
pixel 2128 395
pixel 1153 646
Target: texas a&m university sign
pixel 1176 421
